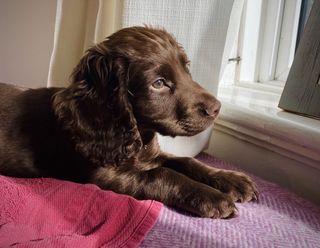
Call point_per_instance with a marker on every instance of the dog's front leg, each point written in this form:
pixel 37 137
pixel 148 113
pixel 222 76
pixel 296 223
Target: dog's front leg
pixel 168 186
pixel 237 185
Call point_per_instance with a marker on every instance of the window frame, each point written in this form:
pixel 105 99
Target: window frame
pixel 266 27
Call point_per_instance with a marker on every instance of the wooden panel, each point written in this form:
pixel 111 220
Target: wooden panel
pixel 302 90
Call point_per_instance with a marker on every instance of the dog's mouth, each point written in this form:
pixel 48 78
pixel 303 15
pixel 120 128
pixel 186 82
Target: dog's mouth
pixel 193 127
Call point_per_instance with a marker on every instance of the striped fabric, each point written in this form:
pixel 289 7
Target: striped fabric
pixel 279 219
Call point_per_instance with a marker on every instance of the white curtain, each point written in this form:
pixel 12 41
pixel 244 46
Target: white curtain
pixel 79 25
pixel 200 26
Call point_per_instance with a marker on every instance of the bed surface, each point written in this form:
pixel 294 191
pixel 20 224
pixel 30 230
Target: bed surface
pixel 279 219
pixel 53 213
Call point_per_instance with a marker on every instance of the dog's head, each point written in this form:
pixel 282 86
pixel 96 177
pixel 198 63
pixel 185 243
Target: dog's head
pixel 161 90
pixel 138 78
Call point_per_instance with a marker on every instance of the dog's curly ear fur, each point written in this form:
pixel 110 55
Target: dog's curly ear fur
pixel 95 109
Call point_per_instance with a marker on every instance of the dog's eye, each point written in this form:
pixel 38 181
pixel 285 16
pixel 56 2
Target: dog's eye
pixel 159 83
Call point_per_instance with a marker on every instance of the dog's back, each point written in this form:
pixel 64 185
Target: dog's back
pixel 32 142
pixel 16 157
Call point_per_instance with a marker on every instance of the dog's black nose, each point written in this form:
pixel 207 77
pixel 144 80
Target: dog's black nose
pixel 212 109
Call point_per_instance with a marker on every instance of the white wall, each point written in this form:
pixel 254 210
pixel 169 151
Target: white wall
pixel 26 40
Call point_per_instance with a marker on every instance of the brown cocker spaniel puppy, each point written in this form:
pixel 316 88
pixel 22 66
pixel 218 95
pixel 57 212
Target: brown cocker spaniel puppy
pixel 102 128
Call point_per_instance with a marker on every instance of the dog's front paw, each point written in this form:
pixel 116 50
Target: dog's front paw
pixel 211 204
pixel 237 185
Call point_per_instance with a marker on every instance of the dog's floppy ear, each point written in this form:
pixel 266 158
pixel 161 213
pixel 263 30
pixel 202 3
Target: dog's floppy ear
pixel 95 109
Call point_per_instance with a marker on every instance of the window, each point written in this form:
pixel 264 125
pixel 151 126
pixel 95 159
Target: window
pixel 250 90
pixel 268 37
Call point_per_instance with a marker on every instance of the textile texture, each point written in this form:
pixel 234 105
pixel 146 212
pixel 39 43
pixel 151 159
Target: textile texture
pixel 53 213
pixel 278 219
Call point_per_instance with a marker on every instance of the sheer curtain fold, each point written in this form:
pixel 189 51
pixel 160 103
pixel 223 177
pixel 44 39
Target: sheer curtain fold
pixel 79 24
pixel 108 18
pixel 200 26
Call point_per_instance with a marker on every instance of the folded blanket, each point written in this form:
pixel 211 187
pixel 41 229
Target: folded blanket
pixel 53 213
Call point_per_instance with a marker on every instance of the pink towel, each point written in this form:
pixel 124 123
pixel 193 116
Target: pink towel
pixel 53 213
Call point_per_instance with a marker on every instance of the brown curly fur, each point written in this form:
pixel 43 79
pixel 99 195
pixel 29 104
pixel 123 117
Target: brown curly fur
pixel 102 128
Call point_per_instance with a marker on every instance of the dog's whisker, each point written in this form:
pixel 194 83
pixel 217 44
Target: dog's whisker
pixel 130 93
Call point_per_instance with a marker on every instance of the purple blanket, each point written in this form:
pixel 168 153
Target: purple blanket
pixel 279 219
